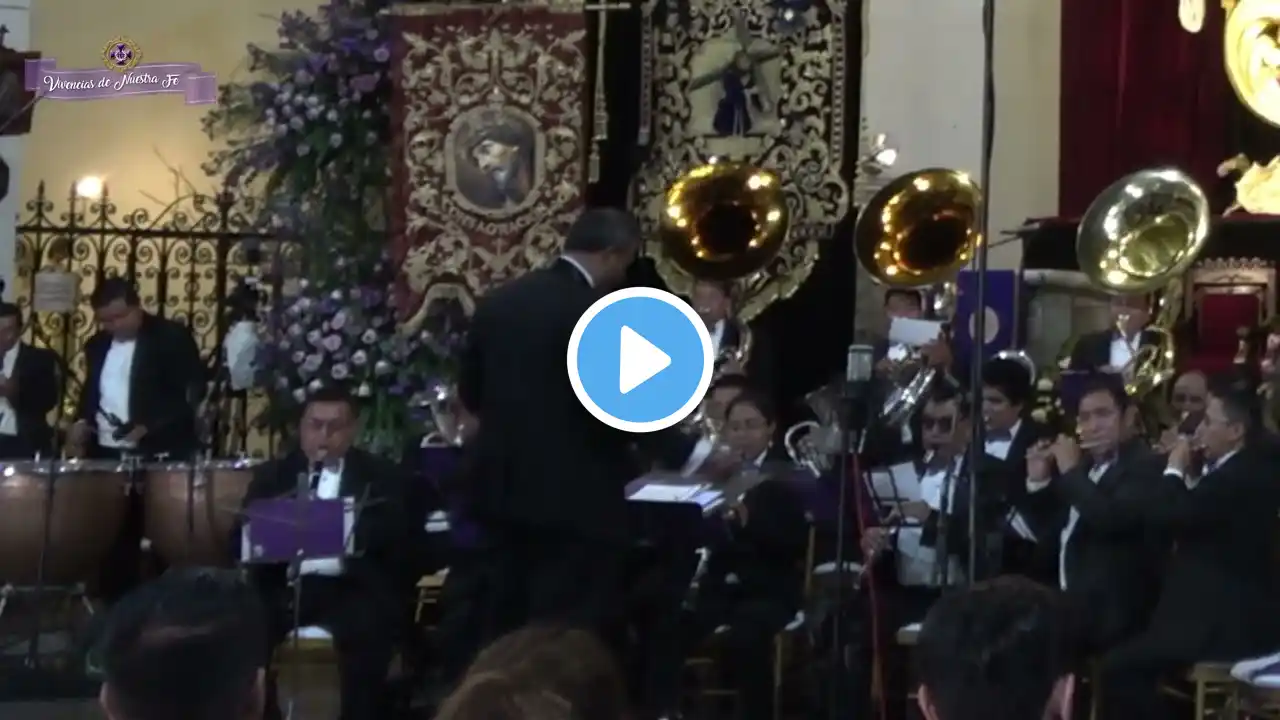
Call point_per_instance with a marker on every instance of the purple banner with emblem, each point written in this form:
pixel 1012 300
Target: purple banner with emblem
pixel 1002 315
pixel 187 79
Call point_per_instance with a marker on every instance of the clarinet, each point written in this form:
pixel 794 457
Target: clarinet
pixel 942 559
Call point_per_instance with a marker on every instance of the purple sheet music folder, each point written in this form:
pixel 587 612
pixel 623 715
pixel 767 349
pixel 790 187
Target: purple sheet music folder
pixel 281 530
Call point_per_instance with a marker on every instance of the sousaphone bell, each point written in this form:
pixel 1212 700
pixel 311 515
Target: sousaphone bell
pixel 1251 55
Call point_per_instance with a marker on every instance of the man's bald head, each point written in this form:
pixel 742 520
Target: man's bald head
pixel 1190 393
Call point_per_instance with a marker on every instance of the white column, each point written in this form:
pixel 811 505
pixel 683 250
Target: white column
pixel 15 15
pixel 922 85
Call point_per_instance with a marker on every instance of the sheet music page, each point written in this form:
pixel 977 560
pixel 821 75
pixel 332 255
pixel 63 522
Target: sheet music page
pixel 708 498
pixel 900 483
pixel 659 492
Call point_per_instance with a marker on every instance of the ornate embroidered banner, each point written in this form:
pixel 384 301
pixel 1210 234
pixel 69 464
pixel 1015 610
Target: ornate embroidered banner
pixel 488 143
pixel 761 83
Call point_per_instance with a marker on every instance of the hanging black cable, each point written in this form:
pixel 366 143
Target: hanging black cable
pixel 978 318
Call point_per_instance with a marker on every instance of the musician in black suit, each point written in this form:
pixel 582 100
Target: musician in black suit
pixel 1111 349
pixel 1006 399
pixel 922 548
pixel 143 380
pixel 1219 595
pixel 753 580
pixel 29 390
pixel 363 600
pixel 1080 506
pixel 714 301
pixel 549 477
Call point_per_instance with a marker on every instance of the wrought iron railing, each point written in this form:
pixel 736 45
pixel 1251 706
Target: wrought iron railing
pixel 186 260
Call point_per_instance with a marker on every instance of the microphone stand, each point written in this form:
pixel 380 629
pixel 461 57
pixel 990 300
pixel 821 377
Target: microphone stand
pixel 978 319
pixel 854 394
pixel 305 481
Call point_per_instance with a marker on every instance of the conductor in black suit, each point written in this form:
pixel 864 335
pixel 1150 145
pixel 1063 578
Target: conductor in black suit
pixel 143 380
pixel 1219 593
pixel 29 390
pixel 549 477
pixel 1111 350
pixel 362 600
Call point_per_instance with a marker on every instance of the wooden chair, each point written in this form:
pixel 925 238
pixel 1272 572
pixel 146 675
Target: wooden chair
pixel 1210 687
pixel 429 590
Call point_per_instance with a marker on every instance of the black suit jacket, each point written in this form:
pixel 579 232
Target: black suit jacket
pixel 1219 598
pixel 166 382
pixel 37 381
pixel 766 552
pixel 386 533
pixel 541 458
pixel 1113 558
pixel 1092 351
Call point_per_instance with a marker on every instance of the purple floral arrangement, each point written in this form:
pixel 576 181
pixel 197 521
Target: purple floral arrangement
pixel 339 333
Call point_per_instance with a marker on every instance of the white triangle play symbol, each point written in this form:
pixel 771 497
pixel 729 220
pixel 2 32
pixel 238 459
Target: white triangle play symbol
pixel 638 361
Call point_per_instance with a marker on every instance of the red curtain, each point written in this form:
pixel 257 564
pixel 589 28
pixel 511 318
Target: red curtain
pixel 1137 91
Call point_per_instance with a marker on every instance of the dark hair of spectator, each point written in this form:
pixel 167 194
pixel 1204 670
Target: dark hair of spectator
pixel 540 673
pixel 994 651
pixel 112 289
pixel 1110 384
pixel 190 644
pixel 1239 400
pixel 331 394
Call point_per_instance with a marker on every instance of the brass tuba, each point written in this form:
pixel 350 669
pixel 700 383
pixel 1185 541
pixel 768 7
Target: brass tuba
pixel 1251 54
pixel 917 233
pixel 1140 235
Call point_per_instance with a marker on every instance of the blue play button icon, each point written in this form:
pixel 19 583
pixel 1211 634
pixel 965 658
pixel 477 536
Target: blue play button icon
pixel 640 360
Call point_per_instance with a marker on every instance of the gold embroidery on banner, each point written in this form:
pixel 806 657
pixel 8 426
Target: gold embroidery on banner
pixel 793 123
pixel 493 144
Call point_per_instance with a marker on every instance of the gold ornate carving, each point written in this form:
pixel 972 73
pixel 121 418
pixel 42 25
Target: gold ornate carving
pixel 492 141
pixel 792 122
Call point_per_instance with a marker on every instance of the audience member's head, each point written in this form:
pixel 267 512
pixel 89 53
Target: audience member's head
pixel 1190 393
pixel 540 673
pixel 1230 417
pixel 999 650
pixel 191 645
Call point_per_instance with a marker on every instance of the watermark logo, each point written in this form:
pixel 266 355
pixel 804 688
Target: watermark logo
pixel 121 55
pixel 123 74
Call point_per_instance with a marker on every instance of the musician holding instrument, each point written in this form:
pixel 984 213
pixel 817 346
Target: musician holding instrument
pixel 739 347
pixel 1218 597
pixel 144 378
pixel 924 543
pixel 1006 398
pixel 363 599
pixel 753 580
pixel 29 390
pixel 1079 504
pixel 1111 350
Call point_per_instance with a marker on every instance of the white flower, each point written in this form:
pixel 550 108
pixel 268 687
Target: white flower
pixel 304 150
pixel 312 101
pixel 282 382
pixel 364 390
pixel 315 385
pixel 300 395
pixel 336 295
pixel 302 77
pixel 340 371
pixel 312 363
pixel 382 367
pixel 333 343
pixel 382 54
pixel 299 357
pixel 297 123
pixel 332 116
pixel 369 337
pixel 314 337
pixel 339 320
pixel 313 113
pixel 335 140
pixel 359 358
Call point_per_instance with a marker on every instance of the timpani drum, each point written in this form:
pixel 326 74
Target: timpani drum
pixel 89 502
pixel 190 508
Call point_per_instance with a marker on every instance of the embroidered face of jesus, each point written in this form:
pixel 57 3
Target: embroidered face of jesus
pixel 494 158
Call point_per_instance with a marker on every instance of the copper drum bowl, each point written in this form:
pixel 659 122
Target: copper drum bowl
pixel 90 499
pixel 191 508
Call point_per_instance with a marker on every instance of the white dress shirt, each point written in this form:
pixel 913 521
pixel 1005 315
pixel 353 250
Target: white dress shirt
pixel 113 392
pixel 1123 349
pixel 8 418
pixel 717 337
pixel 328 488
pixel 917 563
pixel 577 265
pixel 1073 519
